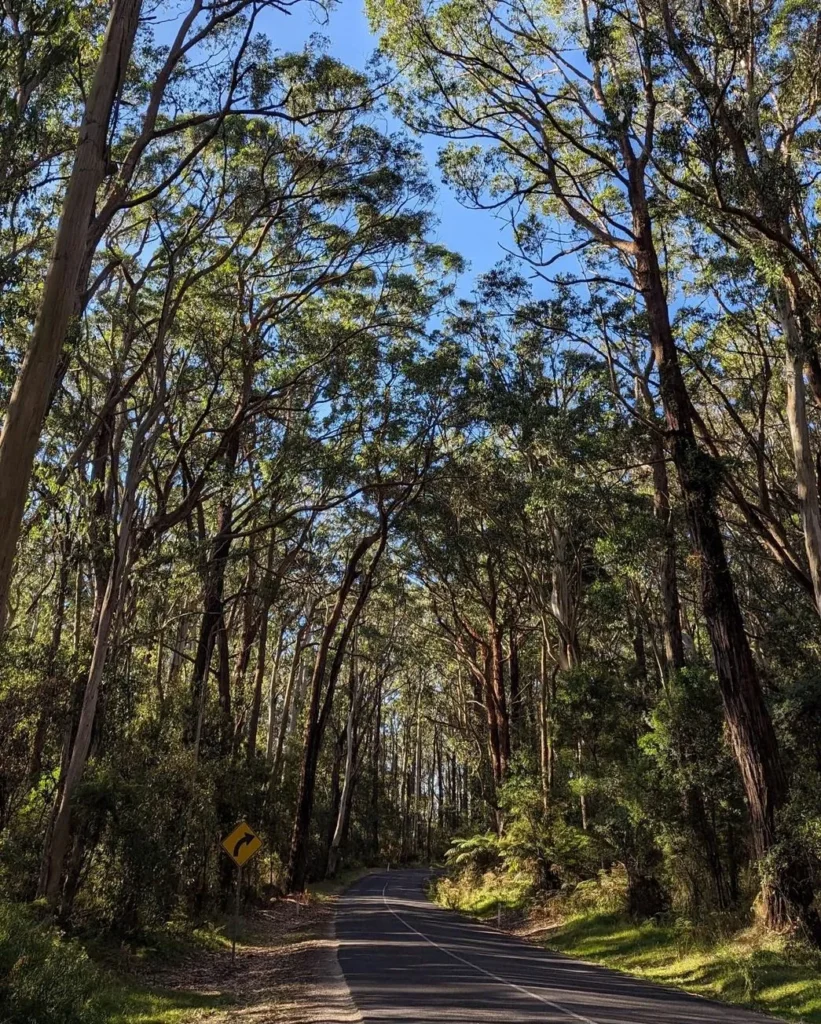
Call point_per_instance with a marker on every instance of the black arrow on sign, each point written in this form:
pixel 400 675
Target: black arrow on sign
pixel 245 840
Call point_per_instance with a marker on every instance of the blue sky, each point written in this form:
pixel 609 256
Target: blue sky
pixel 476 234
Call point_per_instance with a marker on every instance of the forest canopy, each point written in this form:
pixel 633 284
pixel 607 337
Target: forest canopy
pixel 304 523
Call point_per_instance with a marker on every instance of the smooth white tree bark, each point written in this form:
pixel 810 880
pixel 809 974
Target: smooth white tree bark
pixel 29 399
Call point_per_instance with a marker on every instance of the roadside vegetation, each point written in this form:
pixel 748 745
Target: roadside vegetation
pixel 175 975
pixel 304 524
pixel 719 956
pixel 47 977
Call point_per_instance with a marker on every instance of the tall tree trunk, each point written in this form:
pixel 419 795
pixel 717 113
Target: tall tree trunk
pixel 440 778
pixel 516 706
pixel 404 793
pixel 347 785
pixel 211 625
pixel 316 719
pixel 336 787
pixel 497 675
pixel 429 829
pixel 704 830
pixel 287 699
pixel 668 575
pixel 376 755
pixel 806 478
pixel 50 689
pixel 562 597
pixel 786 886
pixel 417 773
pixel 29 399
pixel 259 680
pixel 61 831
pixel 484 696
pixel 545 725
pixel 251 616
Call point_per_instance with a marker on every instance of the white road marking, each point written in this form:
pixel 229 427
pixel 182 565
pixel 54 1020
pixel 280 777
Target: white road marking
pixel 481 970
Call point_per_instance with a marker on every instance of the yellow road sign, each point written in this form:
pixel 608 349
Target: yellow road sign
pixel 242 844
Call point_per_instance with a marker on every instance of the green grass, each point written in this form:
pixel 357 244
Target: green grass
pixel 745 967
pixel 126 1002
pixel 129 1002
pixel 481 897
pixel 748 969
pixel 46 978
pixel 126 999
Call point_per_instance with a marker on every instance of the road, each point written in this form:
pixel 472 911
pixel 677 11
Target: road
pixel 407 961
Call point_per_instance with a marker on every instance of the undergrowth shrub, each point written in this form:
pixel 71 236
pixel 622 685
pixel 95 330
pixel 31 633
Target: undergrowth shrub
pixel 44 978
pixel 604 894
pixel 481 893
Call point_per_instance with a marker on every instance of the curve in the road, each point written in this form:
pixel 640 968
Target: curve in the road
pixel 407 961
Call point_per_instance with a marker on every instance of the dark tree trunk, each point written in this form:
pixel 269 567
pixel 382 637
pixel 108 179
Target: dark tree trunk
pixel 484 687
pixel 251 624
pixel 437 750
pixel 704 831
pixel 213 618
pixel 50 689
pixel 376 753
pixel 212 623
pixel 259 679
pixel 645 896
pixel 639 650
pixel 319 710
pixel 668 576
pixel 500 700
pixel 516 708
pixel 787 888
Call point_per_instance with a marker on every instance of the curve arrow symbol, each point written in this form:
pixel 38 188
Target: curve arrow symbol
pixel 245 840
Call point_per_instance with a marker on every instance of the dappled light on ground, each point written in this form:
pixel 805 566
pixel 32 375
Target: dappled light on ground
pixel 407 961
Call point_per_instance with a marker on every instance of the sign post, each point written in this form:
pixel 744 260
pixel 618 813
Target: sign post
pixel 240 845
pixel 236 919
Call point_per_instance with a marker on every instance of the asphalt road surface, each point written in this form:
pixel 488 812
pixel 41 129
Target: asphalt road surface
pixel 407 961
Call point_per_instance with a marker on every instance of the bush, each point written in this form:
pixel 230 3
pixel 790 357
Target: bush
pixel 604 894
pixel 477 854
pixel 482 894
pixel 44 978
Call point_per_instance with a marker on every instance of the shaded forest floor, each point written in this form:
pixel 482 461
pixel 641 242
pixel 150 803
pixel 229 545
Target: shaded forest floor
pixel 286 972
pixel 285 965
pixel 744 967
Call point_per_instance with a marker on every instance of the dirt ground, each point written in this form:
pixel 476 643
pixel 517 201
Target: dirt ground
pixel 286 970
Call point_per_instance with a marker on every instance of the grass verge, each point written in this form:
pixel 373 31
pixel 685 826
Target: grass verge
pixel 174 976
pixel 746 967
pixel 46 978
pixel 127 1002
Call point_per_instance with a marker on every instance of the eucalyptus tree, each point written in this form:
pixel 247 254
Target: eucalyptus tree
pixel 42 46
pixel 460 532
pixel 398 426
pixel 149 111
pixel 253 307
pixel 546 399
pixel 569 142
pixel 742 157
pixel 122 439
pixel 732 361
